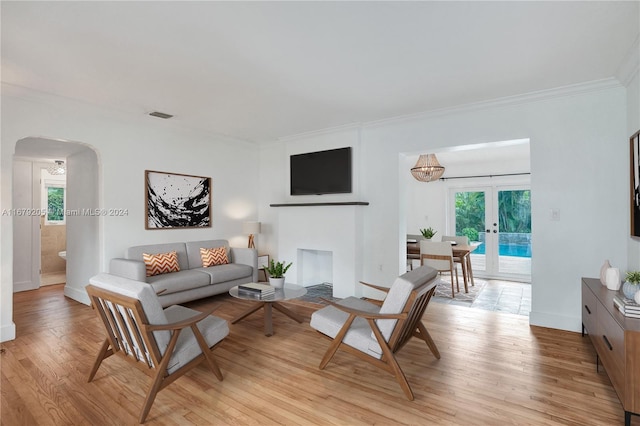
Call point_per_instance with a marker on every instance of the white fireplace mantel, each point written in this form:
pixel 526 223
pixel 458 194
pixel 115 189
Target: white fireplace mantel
pixel 335 228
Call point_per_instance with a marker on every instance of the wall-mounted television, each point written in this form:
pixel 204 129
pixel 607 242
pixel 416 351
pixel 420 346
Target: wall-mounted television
pixel 321 172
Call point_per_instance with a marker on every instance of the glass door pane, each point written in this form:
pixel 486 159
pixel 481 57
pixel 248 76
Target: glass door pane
pixel 470 218
pixel 514 242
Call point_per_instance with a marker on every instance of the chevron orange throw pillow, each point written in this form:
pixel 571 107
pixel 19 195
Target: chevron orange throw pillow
pixel 161 263
pixel 213 256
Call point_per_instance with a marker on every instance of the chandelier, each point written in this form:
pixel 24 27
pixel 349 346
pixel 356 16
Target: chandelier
pixel 427 168
pixel 57 169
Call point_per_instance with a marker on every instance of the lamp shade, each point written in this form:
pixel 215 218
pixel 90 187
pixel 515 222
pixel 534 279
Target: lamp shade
pixel 427 168
pixel 251 228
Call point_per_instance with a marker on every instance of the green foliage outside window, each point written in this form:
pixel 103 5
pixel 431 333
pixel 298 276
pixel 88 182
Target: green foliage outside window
pixel 471 234
pixel 469 213
pixel 55 203
pixel 514 210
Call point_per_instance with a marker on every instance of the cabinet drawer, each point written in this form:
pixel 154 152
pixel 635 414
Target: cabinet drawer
pixel 589 305
pixel 610 342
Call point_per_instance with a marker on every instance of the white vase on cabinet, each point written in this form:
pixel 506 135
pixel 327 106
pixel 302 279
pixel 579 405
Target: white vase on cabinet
pixel 613 279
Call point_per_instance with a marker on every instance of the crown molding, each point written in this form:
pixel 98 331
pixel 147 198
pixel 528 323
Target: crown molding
pixel 541 95
pixel 630 66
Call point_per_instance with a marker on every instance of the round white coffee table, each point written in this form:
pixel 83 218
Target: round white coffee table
pixel 288 292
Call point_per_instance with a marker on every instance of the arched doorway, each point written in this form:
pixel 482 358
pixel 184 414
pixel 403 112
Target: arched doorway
pixel 81 203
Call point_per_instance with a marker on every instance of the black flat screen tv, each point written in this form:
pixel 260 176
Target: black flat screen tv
pixel 322 172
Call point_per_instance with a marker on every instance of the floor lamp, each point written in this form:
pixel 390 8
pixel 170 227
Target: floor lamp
pixel 251 228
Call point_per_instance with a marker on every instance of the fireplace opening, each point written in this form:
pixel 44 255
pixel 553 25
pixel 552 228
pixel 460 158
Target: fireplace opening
pixel 315 267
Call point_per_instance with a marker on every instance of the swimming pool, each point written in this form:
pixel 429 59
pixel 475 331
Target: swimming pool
pixel 517 250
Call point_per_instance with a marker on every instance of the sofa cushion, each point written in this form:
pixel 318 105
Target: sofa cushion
pixel 213 256
pixel 178 281
pixel 136 252
pixel 229 272
pixel 193 251
pixel 161 263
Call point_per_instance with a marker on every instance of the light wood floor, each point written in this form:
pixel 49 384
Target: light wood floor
pixel 495 370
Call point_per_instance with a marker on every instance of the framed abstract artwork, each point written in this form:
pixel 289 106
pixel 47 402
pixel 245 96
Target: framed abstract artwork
pixel 177 201
pixel 634 144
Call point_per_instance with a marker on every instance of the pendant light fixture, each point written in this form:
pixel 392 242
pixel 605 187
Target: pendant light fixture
pixel 57 169
pixel 427 169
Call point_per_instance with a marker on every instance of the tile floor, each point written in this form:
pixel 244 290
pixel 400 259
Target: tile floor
pixel 315 292
pixel 53 278
pixel 501 296
pixel 496 295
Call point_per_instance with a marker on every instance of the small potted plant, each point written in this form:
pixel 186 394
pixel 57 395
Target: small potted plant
pixel 275 271
pixel 428 233
pixel 631 281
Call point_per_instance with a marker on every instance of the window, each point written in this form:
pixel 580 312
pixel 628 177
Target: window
pixel 55 203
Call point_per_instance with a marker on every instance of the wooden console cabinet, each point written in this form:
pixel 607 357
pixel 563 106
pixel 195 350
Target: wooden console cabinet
pixel 616 339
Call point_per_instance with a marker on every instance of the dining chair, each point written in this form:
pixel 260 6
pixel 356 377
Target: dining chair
pixel 459 240
pixel 413 256
pixel 439 255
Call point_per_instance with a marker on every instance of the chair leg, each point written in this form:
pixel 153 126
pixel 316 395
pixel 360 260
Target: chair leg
pixel 401 378
pixel 102 354
pixel 388 358
pixel 453 293
pixel 424 335
pixel 457 281
pixel 335 344
pixel 331 351
pixel 213 365
pixel 151 394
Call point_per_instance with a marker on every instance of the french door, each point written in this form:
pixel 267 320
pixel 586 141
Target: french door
pixel 497 219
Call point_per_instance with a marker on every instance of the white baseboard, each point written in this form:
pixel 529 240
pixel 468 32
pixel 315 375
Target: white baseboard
pixel 559 322
pixel 24 286
pixel 7 332
pixel 77 295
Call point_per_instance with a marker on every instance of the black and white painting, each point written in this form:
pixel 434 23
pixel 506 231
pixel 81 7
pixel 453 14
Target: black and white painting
pixel 635 185
pixel 177 201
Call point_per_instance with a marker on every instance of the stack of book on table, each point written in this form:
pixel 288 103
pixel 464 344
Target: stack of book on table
pixel 628 307
pixel 256 289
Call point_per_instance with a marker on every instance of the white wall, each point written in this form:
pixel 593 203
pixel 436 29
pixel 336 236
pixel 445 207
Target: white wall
pixel 83 236
pixel 274 177
pixel 633 125
pixel 579 153
pixel 126 145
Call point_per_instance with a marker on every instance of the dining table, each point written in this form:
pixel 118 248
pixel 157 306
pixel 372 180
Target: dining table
pixel 461 251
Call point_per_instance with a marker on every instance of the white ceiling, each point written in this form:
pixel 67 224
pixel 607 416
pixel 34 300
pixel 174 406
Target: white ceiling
pixel 263 70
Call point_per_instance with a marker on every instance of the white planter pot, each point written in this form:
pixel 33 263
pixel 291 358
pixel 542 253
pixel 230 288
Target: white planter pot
pixel 276 282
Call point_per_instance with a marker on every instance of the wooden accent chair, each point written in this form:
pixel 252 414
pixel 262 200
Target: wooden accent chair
pixel 375 332
pixel 164 343
pixel 439 255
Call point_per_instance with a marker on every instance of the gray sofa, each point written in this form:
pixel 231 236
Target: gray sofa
pixel 193 281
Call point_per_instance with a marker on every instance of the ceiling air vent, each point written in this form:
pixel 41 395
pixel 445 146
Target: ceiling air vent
pixel 160 114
